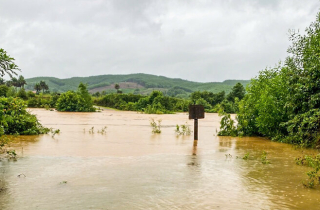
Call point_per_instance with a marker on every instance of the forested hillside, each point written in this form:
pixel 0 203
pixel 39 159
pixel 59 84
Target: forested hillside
pixel 133 83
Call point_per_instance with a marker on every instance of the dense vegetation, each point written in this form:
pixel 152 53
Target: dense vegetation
pixel 283 103
pixel 15 119
pixel 145 84
pixel 79 101
pixel 159 103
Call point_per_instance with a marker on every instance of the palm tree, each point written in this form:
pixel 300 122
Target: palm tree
pixel 43 86
pixel 7 66
pixel 37 87
pixel 21 81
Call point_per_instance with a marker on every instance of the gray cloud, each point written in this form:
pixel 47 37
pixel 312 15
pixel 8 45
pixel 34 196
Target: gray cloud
pixel 195 40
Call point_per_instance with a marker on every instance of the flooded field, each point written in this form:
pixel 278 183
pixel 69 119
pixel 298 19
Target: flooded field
pixel 128 167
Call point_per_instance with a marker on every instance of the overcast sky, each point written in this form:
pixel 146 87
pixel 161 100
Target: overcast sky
pixel 198 40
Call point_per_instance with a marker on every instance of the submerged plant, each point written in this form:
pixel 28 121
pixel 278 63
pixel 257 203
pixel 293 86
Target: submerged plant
pixel 246 156
pixel 91 130
pixel 156 128
pixel 12 154
pixel 103 130
pixel 228 156
pixel 264 158
pixel 313 175
pixel 185 130
pixel 54 131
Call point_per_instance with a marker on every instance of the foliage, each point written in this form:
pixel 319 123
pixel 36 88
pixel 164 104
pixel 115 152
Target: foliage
pixel 22 94
pixel 313 175
pixel 11 154
pixel 148 81
pixel 11 92
pixel 31 94
pixel 43 86
pixel 156 127
pixel 185 129
pixel 103 130
pixel 264 159
pixel 117 87
pixel 37 87
pixel 79 101
pixel 7 65
pixel 283 103
pixel 155 103
pixel 227 126
pixel 237 91
pixel 246 156
pixel 15 119
pixel 21 81
pixel 54 131
pixel 3 90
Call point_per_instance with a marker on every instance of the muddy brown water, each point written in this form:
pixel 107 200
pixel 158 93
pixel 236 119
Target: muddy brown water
pixel 128 167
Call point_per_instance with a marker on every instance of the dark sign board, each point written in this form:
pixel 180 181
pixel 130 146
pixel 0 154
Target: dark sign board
pixel 196 112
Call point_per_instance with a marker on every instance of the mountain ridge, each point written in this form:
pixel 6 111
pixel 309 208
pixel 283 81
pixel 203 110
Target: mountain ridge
pixel 143 83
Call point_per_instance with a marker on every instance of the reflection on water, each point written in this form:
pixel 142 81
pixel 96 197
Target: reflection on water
pixel 131 168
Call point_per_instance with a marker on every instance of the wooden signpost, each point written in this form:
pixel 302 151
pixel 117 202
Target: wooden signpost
pixel 196 112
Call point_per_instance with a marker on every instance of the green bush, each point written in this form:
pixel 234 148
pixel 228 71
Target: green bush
pixel 11 92
pixel 283 103
pixel 31 94
pixel 3 90
pixel 15 119
pixel 22 94
pixel 79 101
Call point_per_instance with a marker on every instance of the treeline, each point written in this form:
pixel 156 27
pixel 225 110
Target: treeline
pixel 283 103
pixel 72 101
pixel 159 103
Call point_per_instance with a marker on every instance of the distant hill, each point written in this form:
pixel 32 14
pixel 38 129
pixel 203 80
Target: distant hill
pixel 134 83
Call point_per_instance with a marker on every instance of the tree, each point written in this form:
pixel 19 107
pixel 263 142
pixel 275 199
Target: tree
pixel 14 82
pixel 3 90
pixel 22 94
pixel 43 86
pixel 7 65
pixel 37 87
pixel 117 87
pixel 79 101
pixel 237 91
pixel 21 81
pixel 283 103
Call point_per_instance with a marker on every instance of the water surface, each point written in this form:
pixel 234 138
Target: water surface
pixel 128 167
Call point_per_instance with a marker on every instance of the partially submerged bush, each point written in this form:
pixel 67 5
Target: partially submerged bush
pixel 183 129
pixel 15 119
pixel 79 101
pixel 156 127
pixel 283 103
pixel 313 175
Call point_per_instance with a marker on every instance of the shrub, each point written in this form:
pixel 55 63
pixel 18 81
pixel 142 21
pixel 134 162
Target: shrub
pixel 22 94
pixel 15 119
pixel 3 90
pixel 31 94
pixel 79 101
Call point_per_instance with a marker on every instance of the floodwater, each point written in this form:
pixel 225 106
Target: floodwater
pixel 128 167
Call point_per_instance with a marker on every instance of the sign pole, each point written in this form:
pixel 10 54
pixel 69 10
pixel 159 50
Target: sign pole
pixel 196 112
pixel 195 128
